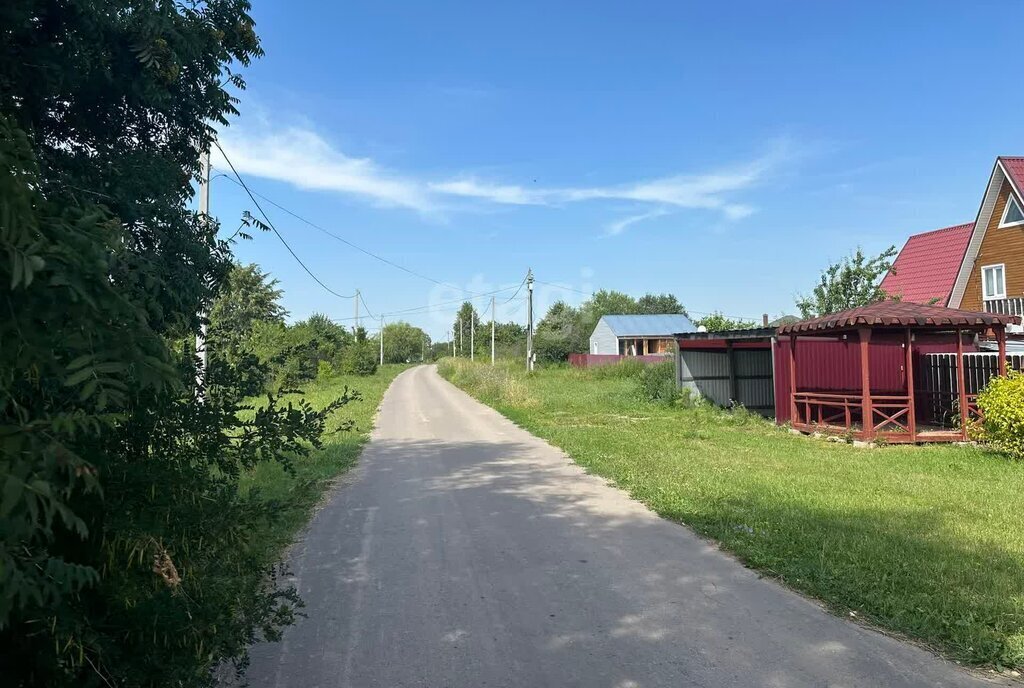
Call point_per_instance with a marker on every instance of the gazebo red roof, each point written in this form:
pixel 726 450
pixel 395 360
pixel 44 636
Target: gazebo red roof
pixel 899 314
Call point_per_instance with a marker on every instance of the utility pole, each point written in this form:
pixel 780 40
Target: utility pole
pixel 460 334
pixel 357 310
pixel 382 340
pixel 529 319
pixel 423 350
pixel 204 209
pixel 472 335
pixel 492 330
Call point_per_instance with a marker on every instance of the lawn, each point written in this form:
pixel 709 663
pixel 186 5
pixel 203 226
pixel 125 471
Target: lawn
pixel 298 492
pixel 925 541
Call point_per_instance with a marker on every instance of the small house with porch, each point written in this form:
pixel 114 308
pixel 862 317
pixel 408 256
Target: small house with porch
pixel 638 335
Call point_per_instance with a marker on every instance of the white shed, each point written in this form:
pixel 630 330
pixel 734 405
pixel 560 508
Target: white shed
pixel 638 335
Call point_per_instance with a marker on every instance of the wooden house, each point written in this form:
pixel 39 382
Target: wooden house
pixel 977 266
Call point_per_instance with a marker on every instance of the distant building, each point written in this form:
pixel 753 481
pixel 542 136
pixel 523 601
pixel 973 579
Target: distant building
pixel 638 335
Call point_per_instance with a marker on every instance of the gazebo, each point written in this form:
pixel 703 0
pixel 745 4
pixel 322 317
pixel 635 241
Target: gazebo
pixel 866 415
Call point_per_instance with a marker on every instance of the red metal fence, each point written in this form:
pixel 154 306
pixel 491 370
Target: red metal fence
pixel 591 360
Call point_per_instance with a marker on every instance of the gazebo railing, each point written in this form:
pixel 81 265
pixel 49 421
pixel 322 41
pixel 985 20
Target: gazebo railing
pixel 890 413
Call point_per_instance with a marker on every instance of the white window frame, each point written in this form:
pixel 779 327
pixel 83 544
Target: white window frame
pixel 993 297
pixel 1006 210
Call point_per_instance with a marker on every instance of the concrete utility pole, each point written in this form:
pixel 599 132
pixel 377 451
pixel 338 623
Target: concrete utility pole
pixel 529 319
pixel 204 209
pixel 357 311
pixel 382 340
pixel 460 334
pixel 472 336
pixel 492 330
pixel 423 350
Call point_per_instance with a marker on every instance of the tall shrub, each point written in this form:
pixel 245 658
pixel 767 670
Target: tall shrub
pixel 126 551
pixel 1002 404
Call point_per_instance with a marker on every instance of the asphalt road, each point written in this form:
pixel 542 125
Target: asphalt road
pixel 464 552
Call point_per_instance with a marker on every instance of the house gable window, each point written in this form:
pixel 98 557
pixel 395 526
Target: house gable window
pixel 993 282
pixel 1013 215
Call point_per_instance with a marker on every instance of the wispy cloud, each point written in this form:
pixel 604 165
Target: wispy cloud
pixel 304 159
pixel 620 226
pixel 300 156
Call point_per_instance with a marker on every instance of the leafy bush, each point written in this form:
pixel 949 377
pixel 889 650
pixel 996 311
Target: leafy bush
pixel 1002 403
pixel 293 353
pixel 360 359
pixel 657 382
pixel 126 550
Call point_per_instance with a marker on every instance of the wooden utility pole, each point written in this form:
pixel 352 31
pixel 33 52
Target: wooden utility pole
pixel 204 209
pixel 529 319
pixel 492 330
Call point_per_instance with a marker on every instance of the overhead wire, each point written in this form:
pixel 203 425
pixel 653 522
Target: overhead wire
pixel 270 224
pixel 352 244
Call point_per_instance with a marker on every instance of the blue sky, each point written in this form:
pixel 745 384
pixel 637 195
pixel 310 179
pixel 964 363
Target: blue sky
pixel 722 152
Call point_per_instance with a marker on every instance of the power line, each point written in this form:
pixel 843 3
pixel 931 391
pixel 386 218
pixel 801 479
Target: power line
pixel 270 224
pixel 517 290
pixel 363 301
pixel 354 245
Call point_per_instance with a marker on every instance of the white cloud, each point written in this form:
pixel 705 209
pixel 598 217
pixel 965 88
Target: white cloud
pixel 620 226
pixel 304 159
pixel 299 156
pixel 495 193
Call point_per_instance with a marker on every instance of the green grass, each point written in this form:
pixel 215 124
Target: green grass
pixel 925 541
pixel 298 492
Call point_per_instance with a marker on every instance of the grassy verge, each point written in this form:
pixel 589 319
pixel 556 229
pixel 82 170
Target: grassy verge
pixel 926 541
pixel 297 493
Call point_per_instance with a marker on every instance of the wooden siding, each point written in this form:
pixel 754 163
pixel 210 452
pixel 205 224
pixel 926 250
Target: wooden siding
pixel 1005 246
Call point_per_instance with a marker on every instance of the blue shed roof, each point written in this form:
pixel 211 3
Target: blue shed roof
pixel 648 325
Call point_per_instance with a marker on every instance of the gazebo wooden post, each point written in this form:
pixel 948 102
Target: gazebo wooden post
pixel 911 403
pixel 1001 338
pixel 792 378
pixel 867 415
pixel 961 384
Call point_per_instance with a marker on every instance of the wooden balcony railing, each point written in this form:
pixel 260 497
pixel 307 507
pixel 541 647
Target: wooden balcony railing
pixel 1014 306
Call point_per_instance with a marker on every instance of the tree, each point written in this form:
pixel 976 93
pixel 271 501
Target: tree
pixel 854 281
pixel 248 297
pixel 716 322
pixel 558 333
pixel 126 544
pixel 403 343
pixel 466 319
pixel 655 304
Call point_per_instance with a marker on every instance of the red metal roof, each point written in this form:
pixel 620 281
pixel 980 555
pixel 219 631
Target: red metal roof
pixel 1015 168
pixel 899 314
pixel 927 266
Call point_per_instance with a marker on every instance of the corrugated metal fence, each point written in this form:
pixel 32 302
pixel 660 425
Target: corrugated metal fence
pixel 707 374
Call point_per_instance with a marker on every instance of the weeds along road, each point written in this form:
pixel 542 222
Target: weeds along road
pixel 464 552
